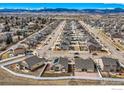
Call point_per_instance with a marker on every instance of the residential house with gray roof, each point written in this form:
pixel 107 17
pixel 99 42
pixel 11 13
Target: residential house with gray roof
pixel 84 65
pixel 60 64
pixel 108 64
pixel 33 63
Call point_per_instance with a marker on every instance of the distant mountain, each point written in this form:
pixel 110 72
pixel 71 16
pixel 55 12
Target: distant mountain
pixel 61 10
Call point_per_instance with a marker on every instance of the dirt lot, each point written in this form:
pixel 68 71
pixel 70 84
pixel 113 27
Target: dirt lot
pixel 105 74
pixel 52 74
pixel 85 74
pixel 8 79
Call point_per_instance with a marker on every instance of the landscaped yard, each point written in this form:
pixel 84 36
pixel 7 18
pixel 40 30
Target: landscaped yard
pixel 6 55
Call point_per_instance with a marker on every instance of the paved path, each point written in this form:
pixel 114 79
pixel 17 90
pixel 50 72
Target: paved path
pixel 43 52
pixel 16 60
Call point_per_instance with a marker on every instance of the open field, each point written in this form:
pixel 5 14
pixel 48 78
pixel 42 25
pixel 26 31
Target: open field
pixel 8 79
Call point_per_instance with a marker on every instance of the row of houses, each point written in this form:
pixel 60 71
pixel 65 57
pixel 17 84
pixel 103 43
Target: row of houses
pixel 75 35
pixel 64 64
pixel 112 25
pixel 88 39
pixel 41 36
pixel 105 64
pixel 14 27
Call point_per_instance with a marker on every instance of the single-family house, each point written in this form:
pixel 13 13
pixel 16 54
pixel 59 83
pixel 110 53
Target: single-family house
pixel 33 62
pixel 19 49
pixel 84 65
pixel 60 64
pixel 108 64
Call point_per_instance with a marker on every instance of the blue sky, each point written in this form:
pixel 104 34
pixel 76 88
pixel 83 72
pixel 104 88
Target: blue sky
pixel 61 5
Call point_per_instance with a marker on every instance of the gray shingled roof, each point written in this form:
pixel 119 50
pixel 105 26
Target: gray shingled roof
pixel 63 62
pixel 84 63
pixel 109 61
pixel 34 60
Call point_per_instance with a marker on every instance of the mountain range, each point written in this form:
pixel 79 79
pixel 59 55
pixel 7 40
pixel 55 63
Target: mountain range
pixel 61 10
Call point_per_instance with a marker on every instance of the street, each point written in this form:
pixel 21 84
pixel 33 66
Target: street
pixel 108 43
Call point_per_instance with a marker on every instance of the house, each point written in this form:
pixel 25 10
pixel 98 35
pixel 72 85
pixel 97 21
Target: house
pixel 31 24
pixel 2 37
pixel 31 42
pixel 84 65
pixel 19 49
pixel 32 63
pixel 108 64
pixel 116 35
pixel 65 45
pixel 93 47
pixel 60 64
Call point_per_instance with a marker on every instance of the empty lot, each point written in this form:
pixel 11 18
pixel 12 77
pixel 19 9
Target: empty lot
pixel 86 74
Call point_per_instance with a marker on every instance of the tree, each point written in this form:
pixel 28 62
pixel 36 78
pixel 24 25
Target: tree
pixel 9 39
pixel 44 21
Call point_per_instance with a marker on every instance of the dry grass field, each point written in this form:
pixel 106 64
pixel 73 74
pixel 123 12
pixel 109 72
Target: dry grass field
pixel 8 79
